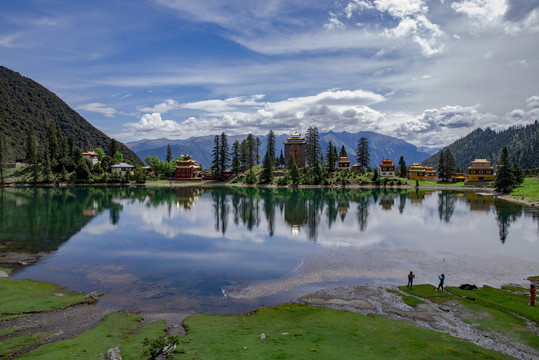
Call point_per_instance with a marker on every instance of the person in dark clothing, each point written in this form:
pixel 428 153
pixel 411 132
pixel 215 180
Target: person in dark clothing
pixel 532 295
pixel 411 277
pixel 441 284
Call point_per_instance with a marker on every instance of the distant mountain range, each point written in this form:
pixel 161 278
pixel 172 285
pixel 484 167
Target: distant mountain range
pixel 522 143
pixel 24 103
pixel 381 147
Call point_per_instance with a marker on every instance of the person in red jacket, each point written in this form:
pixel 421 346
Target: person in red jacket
pixel 532 295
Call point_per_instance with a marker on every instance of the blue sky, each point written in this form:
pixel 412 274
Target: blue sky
pixel 427 72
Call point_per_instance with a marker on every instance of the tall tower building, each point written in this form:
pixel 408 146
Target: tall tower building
pixel 295 146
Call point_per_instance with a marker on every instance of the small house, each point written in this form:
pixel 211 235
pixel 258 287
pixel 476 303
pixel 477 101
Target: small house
pixel 122 168
pixel 92 156
pixel 430 173
pixel 387 168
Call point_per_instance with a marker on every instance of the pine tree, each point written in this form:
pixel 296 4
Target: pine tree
pixel 244 158
pixel 114 146
pixel 293 170
pixel 363 156
pixel 47 171
pixel 215 156
pixel 169 153
pixel 281 159
pixel 1 160
pixel 312 147
pixel 258 144
pixel 268 163
pixel 251 151
pixel 505 180
pixel 330 156
pixel 446 165
pixel 31 154
pixel 236 157
pixel 224 156
pixel 402 165
pixel 343 152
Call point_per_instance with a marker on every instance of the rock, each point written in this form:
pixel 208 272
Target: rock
pixel 467 287
pixel 262 336
pixel 93 295
pixel 3 274
pixel 113 354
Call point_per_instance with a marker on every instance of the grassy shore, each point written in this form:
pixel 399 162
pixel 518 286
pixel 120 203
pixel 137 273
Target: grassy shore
pixel 288 331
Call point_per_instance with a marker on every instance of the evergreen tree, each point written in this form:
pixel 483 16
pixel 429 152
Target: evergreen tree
pixel 82 170
pixel 47 171
pixel 52 143
pixel 258 144
pixel 243 154
pixel 215 156
pixel 1 160
pixel 403 168
pixel 236 157
pixel 330 156
pixel 312 147
pixel 224 156
pixel 268 163
pixel 293 170
pixel 363 156
pixel 343 152
pixel 139 175
pixel 251 151
pixel 281 159
pixel 31 154
pixel 446 165
pixel 169 153
pixel 270 147
pixel 114 146
pixel 266 176
pixel 505 180
pixel 518 174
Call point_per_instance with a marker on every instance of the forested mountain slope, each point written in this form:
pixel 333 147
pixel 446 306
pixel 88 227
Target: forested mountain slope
pixel 522 143
pixel 24 103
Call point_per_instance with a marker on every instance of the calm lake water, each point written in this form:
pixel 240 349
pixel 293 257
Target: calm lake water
pixel 235 249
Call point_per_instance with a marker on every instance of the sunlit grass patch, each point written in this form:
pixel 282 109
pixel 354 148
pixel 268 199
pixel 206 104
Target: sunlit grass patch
pixel 123 330
pixel 297 331
pixel 408 300
pixel 428 291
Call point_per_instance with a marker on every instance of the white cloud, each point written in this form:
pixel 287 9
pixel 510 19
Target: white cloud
pixel 481 12
pixel 151 124
pixel 98 107
pixel 161 108
pixel 230 104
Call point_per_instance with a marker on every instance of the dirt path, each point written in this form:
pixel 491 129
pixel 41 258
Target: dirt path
pixel 447 318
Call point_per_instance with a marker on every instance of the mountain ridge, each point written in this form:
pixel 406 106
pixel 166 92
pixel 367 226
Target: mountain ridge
pixel 25 103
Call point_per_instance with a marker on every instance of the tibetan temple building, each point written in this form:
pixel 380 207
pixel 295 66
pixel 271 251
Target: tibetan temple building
pixel 295 146
pixel 416 172
pixel 387 168
pixel 187 169
pixel 480 170
pixel 343 163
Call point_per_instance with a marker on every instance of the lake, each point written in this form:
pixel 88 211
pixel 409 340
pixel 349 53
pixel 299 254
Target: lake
pixel 232 249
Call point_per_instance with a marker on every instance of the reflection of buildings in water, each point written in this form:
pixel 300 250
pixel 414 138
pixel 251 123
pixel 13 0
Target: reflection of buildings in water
pixel 296 214
pixel 387 201
pixel 92 211
pixel 187 196
pixel 295 230
pixel 480 202
pixel 417 197
pixel 342 207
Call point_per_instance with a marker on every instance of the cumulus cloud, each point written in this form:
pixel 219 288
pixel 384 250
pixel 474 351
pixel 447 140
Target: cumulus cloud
pixel 161 108
pixel 410 16
pixel 98 107
pixel 153 124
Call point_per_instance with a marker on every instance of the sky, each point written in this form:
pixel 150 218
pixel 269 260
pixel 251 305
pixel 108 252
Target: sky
pixel 427 72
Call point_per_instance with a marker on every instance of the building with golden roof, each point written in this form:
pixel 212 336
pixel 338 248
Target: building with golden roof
pixel 430 173
pixel 343 163
pixel 416 172
pixel 187 169
pixel 480 170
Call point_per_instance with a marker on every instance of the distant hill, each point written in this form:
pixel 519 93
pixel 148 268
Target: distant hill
pixel 381 146
pixel 24 103
pixel 522 144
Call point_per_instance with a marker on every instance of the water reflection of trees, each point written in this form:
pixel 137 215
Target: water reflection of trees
pixel 446 205
pixel 506 213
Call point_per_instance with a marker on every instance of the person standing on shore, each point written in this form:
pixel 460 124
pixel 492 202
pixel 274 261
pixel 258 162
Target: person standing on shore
pixel 532 295
pixel 441 284
pixel 411 277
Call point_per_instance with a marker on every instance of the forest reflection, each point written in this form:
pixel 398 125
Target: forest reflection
pixel 43 218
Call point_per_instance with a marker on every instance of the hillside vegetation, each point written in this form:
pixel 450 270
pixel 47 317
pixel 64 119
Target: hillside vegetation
pixel 521 142
pixel 25 104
